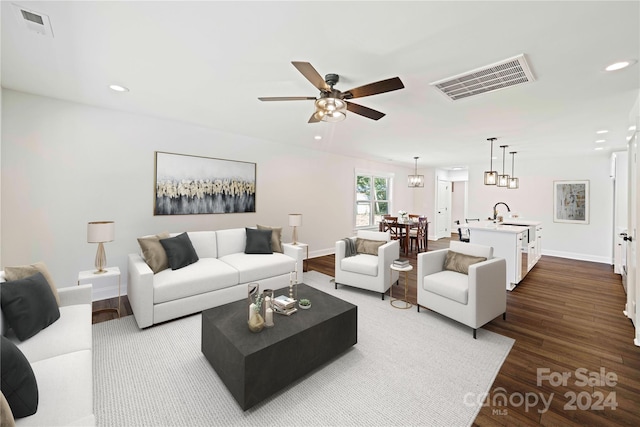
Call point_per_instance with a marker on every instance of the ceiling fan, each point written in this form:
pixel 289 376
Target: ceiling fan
pixel 331 105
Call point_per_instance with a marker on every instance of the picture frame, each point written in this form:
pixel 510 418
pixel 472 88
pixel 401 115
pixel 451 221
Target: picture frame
pixel 191 185
pixel 571 202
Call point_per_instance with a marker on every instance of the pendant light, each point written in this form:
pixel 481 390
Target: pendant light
pixel 415 181
pixel 491 176
pixel 503 180
pixel 513 181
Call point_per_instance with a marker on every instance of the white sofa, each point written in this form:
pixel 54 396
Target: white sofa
pixel 218 277
pixel 472 299
pixel 367 271
pixel 61 357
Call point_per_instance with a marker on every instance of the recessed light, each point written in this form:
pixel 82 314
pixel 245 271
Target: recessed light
pixel 118 88
pixel 598 141
pixel 599 148
pixel 317 137
pixel 620 65
pixel 600 132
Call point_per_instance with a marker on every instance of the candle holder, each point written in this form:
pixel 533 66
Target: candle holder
pixel 267 305
pixel 293 285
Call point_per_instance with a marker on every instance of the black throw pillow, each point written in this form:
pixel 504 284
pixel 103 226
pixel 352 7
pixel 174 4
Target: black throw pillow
pixel 180 251
pixel 258 241
pixel 18 381
pixel 28 305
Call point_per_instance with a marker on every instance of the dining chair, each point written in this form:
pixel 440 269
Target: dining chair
pixel 463 236
pixel 419 234
pixel 396 232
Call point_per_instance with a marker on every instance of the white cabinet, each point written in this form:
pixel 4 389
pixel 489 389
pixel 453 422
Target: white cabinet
pixel 520 245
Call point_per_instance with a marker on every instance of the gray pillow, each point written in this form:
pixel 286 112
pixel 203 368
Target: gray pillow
pixel 22 271
pixel 276 237
pixel 19 384
pixel 258 241
pixel 366 246
pixel 28 305
pixel 455 261
pixel 180 251
pixel 153 253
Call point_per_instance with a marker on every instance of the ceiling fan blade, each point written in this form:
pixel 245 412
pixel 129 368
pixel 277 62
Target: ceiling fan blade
pixel 312 75
pixel 374 88
pixel 365 111
pixel 286 98
pixel 313 119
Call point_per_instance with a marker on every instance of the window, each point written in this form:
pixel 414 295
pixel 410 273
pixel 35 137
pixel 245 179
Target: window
pixel 373 198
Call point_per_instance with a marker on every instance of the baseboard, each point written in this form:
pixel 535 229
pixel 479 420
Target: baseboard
pixel 579 256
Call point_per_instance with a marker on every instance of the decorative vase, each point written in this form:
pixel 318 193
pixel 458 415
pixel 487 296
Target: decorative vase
pixel 256 322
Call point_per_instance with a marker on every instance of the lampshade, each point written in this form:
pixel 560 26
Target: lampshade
pixel 330 109
pixel 491 176
pixel 295 220
pixel 415 180
pixel 101 231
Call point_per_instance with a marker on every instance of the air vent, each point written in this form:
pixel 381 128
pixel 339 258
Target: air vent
pixel 33 21
pixel 510 72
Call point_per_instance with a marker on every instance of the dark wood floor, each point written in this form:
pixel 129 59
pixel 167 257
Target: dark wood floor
pixel 566 317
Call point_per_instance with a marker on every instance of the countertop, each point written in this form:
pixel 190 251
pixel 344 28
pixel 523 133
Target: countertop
pixel 511 225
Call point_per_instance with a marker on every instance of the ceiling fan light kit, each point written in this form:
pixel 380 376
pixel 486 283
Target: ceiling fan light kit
pixel 331 105
pixel 491 176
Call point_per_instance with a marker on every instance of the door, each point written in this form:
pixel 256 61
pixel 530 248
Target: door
pixel 443 210
pixel 632 253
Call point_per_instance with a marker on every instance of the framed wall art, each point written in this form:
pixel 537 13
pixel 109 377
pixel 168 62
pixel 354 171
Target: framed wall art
pixel 571 202
pixel 188 185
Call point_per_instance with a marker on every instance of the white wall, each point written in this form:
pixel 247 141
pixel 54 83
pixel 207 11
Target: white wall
pixel 65 164
pixel 534 200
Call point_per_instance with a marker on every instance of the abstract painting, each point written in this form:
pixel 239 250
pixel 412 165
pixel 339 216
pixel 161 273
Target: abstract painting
pixel 571 202
pixel 187 185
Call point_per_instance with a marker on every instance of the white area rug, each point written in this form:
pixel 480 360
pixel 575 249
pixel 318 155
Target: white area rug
pixel 408 368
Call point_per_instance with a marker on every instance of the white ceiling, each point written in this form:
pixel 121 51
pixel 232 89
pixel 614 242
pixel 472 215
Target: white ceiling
pixel 206 63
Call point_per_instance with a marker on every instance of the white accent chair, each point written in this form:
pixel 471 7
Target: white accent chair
pixel 474 299
pixel 370 272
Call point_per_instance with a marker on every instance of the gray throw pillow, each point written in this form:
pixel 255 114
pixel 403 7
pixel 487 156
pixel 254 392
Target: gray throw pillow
pixel 455 261
pixel 258 241
pixel 19 384
pixel 153 253
pixel 276 237
pixel 22 271
pixel 366 246
pixel 180 251
pixel 28 305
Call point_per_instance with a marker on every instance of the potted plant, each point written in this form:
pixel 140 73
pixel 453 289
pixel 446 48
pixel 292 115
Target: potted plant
pixel 304 303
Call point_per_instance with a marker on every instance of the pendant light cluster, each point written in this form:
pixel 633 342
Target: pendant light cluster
pixel 491 177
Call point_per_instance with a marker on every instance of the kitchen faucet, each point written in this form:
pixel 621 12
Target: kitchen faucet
pixel 495 209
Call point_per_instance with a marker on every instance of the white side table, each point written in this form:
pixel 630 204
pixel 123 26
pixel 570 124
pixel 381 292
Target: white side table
pixel 304 246
pixel 406 270
pixel 89 276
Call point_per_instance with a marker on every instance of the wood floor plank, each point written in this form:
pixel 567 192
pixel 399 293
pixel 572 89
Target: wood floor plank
pixel 564 316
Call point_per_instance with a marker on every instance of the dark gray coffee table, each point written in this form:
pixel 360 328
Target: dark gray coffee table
pixel 253 366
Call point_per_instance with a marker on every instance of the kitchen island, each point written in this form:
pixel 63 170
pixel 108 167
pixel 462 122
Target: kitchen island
pixel 518 241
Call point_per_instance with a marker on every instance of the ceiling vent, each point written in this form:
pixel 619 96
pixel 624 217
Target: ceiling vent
pixel 33 21
pixel 510 72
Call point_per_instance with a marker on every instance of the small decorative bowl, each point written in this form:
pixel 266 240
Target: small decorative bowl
pixel 304 307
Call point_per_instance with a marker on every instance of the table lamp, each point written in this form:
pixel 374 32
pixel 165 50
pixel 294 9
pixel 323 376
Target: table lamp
pixel 100 232
pixel 295 220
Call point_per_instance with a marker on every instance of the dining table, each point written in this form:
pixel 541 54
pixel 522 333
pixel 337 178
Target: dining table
pixel 403 226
